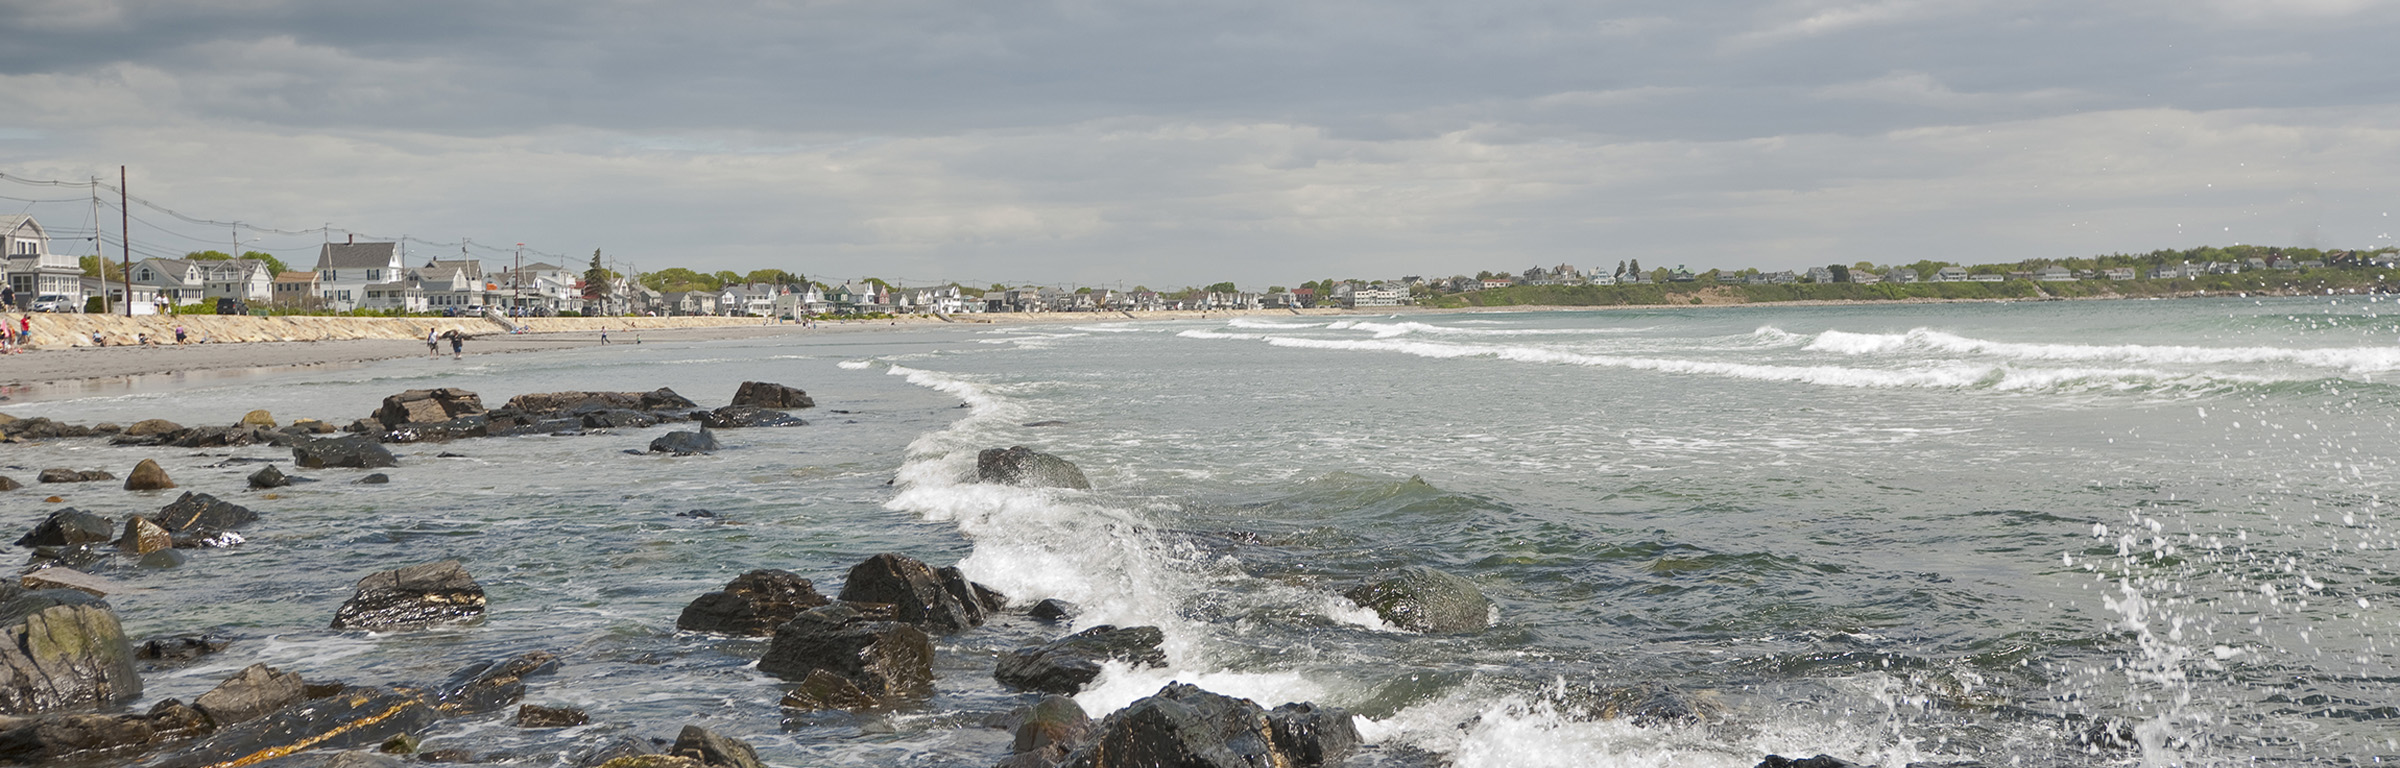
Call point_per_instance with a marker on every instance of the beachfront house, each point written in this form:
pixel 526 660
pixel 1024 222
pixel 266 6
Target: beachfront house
pixel 344 270
pixel 690 302
pixel 1820 274
pixel 454 286
pixel 34 271
pixel 2054 274
pixel 405 294
pixel 295 289
pixel 1900 275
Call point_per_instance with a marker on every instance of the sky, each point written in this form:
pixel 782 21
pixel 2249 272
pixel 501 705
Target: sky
pixel 1174 144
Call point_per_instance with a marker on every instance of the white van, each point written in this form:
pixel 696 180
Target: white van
pixel 53 302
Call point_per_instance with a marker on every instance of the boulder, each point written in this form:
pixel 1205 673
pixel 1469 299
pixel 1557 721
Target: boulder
pixel 353 451
pixel 617 418
pixel 713 750
pixel 350 719
pixel 373 479
pixel 823 690
pixel 68 527
pixel 1184 726
pixel 426 406
pixel 219 437
pixel 62 475
pixel 765 395
pixel 259 418
pixel 1048 729
pixel 1019 465
pixel 914 591
pixel 147 476
pixel 269 477
pixel 1420 599
pixel 459 428
pixel 143 537
pixel 685 443
pixel 151 428
pixel 753 603
pixel 413 597
pixel 883 659
pixel 985 600
pixel 54 738
pixel 1314 735
pixel 537 716
pixel 184 649
pixel 42 428
pixel 309 427
pixel 569 402
pixel 488 686
pixel 1054 610
pixel 9 483
pixel 61 649
pixel 198 515
pixel 68 578
pixel 249 694
pixel 733 416
pixel 1065 665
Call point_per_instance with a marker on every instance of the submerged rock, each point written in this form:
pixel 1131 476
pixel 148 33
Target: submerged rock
pixel 490 685
pixel 62 475
pixel 733 416
pixel 685 443
pixel 353 451
pixel 200 514
pixel 1019 465
pixel 63 649
pixel 148 476
pixel 413 597
pixel 182 649
pixel 754 603
pixel 1420 599
pixel 1182 725
pixel 915 592
pixel 1065 665
pixel 537 716
pixel 251 693
pixel 766 395
pixel 352 718
pixel 567 402
pixel 269 477
pixel 1046 730
pixel 883 659
pixel 713 750
pixel 9 483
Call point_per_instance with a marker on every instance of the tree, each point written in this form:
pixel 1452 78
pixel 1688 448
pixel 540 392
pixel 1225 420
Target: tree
pixel 1222 288
pixel 1277 289
pixel 674 279
pixel 771 277
pixel 725 278
pixel 1621 269
pixel 1841 274
pixel 94 266
pixel 1637 267
pixel 595 279
pixel 274 265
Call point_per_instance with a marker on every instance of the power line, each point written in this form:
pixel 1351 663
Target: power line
pixel 327 230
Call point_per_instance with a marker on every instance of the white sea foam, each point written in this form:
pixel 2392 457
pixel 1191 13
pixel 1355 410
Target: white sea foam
pixel 1244 322
pixel 2346 359
pixel 1389 330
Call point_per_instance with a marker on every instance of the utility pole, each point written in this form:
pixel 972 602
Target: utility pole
pixel 516 281
pixel 125 228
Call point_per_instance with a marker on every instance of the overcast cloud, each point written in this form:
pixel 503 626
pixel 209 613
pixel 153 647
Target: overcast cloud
pixel 1185 143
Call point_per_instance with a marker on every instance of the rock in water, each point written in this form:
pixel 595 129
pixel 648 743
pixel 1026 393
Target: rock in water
pixel 412 597
pixel 1047 729
pixel 765 395
pixel 1067 664
pixel 426 406
pixel 199 514
pixel 1054 610
pixel 143 537
pixel 250 694
pixel 9 483
pixel 490 685
pixel 68 527
pixel 63 475
pixel 753 603
pixel 1820 761
pixel 259 418
pixel 1019 465
pixel 883 659
pixel 147 476
pixel 914 591
pixel 685 443
pixel 63 649
pixel 569 402
pixel 1421 599
pixel 713 750
pixel 268 477
pixel 1314 735
pixel 357 717
pixel 1187 727
pixel 152 428
pixel 538 716
pixel 733 416
pixel 351 451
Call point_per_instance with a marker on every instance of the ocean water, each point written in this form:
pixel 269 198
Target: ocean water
pixel 2040 534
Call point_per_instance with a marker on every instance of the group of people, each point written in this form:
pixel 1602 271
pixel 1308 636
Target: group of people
pixel 433 342
pixel 16 334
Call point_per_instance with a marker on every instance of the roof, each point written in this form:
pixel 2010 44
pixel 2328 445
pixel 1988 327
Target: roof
pixel 356 255
pixel 296 277
pixel 11 222
pixel 474 268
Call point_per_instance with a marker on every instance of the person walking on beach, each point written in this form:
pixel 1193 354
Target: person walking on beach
pixel 433 342
pixel 458 345
pixel 603 334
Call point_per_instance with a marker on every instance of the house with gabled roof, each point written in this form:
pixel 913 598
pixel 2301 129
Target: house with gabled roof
pixel 33 269
pixel 344 270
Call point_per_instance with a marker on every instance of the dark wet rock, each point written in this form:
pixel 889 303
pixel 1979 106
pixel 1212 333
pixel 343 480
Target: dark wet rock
pixel 622 747
pixel 364 427
pixel 822 690
pixel 199 515
pixel 883 659
pixel 358 759
pixel 1314 735
pixel 766 395
pixel 685 443
pixel 983 599
pixel 1054 610
pixel 148 476
pixel 308 427
pixel 9 483
pixel 68 556
pixel 354 451
pixel 1820 761
pixel 617 418
pixel 1067 664
pixel 714 750
pixel 85 737
pixel 1647 705
pixel 426 406
pixel 705 514
pixel 69 653
pixel 754 603
pixel 1019 465
pixel 1182 725
pixel 1420 599
pixel 351 719
pixel 538 716
pixel 412 597
pixel 221 437
pixel 249 694
pixel 67 527
pixel 459 428
pixel 1048 729
pixel 142 537
pixel 61 475
pixel 59 577
pixel 151 428
pixel 182 649
pixel 42 428
pixel 269 477
pixel 570 402
pixel 914 591
pixel 733 416
pixel 373 479
pixel 489 686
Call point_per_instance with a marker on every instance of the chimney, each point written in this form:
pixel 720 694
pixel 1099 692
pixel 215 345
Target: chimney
pixel 353 239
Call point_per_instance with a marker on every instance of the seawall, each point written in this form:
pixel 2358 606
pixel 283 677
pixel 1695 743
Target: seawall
pixel 57 331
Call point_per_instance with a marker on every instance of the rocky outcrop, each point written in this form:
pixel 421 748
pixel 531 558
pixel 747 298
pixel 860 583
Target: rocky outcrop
pixel 42 428
pixel 538 716
pixel 413 597
pixel 1420 599
pixel 660 399
pixel 735 416
pixel 1019 465
pixel 151 428
pixel 143 537
pixel 63 475
pixel 68 527
pixel 489 686
pixel 1045 732
pixel 90 738
pixel 148 476
pixel 458 428
pixel 881 660
pixel 351 718
pixel 9 483
pixel 617 418
pixel 1054 610
pixel 1182 725
pixel 250 694
pixel 766 395
pixel 199 515
pixel 685 443
pixel 1065 665
pixel 62 649
pixel 350 451
pixel 915 592
pixel 754 603
pixel 426 406
pixel 713 750
pixel 269 477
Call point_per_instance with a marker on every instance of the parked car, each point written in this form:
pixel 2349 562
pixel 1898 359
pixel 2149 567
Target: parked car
pixel 53 302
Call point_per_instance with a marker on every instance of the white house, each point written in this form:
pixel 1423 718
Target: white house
pixel 344 270
pixel 33 270
pixel 454 285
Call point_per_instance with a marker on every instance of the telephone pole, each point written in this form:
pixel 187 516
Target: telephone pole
pixel 125 229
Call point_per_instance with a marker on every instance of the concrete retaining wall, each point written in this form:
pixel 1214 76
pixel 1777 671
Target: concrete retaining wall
pixel 75 330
